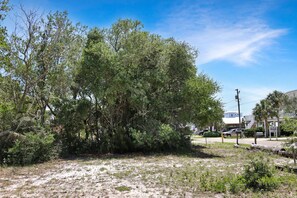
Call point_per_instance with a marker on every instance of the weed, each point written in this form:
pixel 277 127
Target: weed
pixel 123 188
pixel 122 174
pixel 259 174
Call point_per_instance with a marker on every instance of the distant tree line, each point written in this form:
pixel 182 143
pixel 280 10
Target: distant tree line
pixel 67 89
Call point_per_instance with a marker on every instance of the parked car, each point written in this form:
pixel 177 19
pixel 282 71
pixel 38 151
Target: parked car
pixel 201 132
pixel 232 132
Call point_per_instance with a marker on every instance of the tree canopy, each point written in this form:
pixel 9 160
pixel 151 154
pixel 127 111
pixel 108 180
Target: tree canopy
pixel 114 89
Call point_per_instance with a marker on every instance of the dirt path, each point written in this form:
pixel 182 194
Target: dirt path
pixel 260 141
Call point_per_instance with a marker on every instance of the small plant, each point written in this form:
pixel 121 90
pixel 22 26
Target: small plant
pixel 123 188
pixel 259 174
pixel 237 184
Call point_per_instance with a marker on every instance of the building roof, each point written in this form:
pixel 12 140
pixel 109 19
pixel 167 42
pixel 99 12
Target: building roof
pixel 231 120
pixel 292 93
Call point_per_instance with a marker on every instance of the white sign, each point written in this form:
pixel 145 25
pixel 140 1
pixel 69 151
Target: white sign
pixel 272 129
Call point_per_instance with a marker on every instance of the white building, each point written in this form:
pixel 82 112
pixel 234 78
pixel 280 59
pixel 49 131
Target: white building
pixel 231 119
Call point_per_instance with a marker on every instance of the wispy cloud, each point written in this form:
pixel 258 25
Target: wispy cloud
pixel 249 96
pixel 230 34
pixel 255 93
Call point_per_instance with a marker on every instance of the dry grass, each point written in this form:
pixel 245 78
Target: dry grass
pixel 159 175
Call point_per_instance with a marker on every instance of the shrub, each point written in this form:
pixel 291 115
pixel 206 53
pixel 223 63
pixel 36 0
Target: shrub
pixel 258 174
pixel 210 182
pixel 34 148
pixel 166 139
pixel 142 141
pixel 237 184
pixel 251 132
pixel 212 134
pixel 7 140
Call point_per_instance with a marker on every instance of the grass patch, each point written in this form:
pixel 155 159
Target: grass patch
pixel 123 188
pixel 122 174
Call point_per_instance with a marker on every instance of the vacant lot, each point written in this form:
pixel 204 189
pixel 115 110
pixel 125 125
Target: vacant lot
pixel 158 175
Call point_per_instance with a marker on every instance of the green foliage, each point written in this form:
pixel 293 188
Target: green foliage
pixel 259 174
pixel 7 140
pixel 210 182
pixel 7 115
pixel 4 8
pixel 237 184
pixel 71 114
pixel 34 148
pixel 142 141
pixel 143 86
pixel 212 134
pixel 119 90
pixel 167 139
pixel 251 132
pixel 289 126
pixel 123 188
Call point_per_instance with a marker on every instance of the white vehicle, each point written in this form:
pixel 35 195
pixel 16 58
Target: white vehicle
pixel 232 132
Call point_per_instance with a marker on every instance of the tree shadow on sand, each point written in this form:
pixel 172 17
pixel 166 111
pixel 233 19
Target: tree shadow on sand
pixel 196 151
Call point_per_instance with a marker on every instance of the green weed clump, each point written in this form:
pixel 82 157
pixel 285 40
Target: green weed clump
pixel 259 174
pixel 123 188
pixel 223 184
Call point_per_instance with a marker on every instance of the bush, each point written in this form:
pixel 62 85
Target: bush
pixel 258 174
pixel 210 182
pixel 7 140
pixel 142 141
pixel 286 132
pixel 237 184
pixel 212 134
pixel 251 132
pixel 34 148
pixel 167 139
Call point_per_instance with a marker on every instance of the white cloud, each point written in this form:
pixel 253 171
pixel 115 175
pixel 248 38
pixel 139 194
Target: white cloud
pixel 256 93
pixel 217 36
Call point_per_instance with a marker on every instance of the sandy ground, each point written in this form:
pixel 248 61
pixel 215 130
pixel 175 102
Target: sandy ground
pixel 90 178
pixel 114 176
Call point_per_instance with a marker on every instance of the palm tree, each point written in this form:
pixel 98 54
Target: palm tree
pixel 276 100
pixel 261 113
pixel 257 115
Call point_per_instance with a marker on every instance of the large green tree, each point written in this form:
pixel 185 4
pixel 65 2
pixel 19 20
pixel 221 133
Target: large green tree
pixel 139 81
pixel 44 54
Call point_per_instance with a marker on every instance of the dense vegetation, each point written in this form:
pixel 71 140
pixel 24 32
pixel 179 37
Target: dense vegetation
pixel 66 89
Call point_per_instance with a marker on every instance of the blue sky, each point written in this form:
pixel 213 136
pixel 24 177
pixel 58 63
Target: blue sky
pixel 249 45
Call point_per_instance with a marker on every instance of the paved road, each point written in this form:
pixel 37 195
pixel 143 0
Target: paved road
pixel 260 141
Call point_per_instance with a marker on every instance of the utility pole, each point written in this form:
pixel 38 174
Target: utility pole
pixel 238 104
